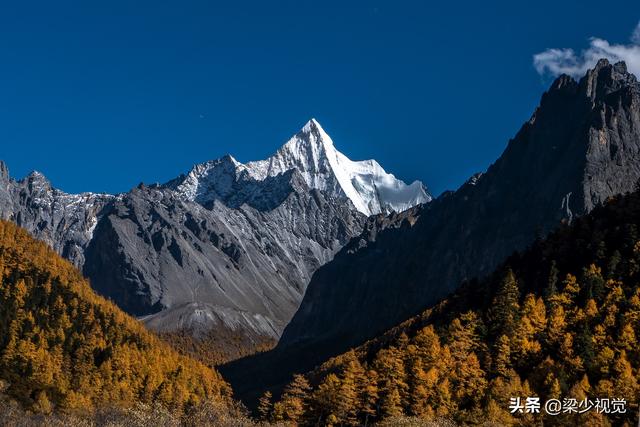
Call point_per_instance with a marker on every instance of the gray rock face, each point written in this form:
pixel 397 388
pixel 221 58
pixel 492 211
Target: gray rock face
pixel 229 246
pixel 241 262
pixel 64 221
pixel 581 146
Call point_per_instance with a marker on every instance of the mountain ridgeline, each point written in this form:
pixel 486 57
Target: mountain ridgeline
pixel 580 147
pixel 223 253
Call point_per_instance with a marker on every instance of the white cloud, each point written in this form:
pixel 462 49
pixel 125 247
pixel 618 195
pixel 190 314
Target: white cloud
pixel 567 61
pixel 635 37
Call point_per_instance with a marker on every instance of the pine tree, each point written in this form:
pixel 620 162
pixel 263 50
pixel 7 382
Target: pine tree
pixel 627 338
pixel 593 282
pixel 625 383
pixel 419 389
pixel 502 358
pixel 370 396
pixel 428 346
pixel 326 399
pixel 391 370
pixel 552 284
pixel 294 398
pixel 265 406
pixel 556 325
pixel 568 356
pixel 391 401
pixel 351 392
pixel 469 380
pixel 570 288
pixel 462 335
pixel 535 311
pixel 584 346
pixel 591 309
pixel 505 306
pixel 525 343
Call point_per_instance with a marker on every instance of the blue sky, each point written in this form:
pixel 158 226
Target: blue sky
pixel 101 97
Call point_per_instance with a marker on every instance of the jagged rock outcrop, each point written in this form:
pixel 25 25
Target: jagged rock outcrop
pixel 64 221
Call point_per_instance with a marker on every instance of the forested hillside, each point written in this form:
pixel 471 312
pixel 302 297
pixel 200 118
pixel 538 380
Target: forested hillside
pixel 560 320
pixel 63 347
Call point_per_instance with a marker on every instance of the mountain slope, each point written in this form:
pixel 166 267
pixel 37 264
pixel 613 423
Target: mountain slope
pixel 580 147
pixel 63 345
pixel 220 264
pixel 559 320
pixel 228 247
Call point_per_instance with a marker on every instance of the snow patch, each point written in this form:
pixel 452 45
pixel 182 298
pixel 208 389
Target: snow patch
pixel 312 153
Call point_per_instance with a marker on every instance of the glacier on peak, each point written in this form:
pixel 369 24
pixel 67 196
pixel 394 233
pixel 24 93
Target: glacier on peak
pixel 312 153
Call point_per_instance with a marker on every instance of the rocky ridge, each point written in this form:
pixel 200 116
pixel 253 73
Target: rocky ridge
pixel 228 247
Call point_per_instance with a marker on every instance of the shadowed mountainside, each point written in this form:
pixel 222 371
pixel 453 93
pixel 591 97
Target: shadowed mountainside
pixel 580 147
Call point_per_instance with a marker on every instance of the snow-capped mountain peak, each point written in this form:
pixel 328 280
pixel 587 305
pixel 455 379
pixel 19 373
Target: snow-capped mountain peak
pixel 369 187
pixel 312 153
pixel 211 180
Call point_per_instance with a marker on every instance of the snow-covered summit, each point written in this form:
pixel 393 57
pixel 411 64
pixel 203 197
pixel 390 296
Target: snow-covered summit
pixel 312 153
pixel 211 180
